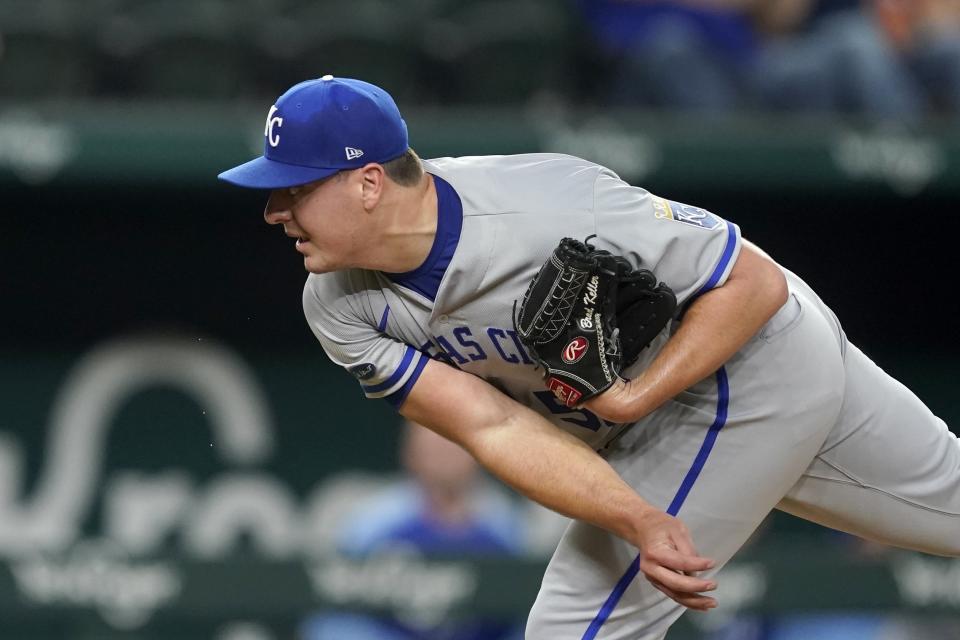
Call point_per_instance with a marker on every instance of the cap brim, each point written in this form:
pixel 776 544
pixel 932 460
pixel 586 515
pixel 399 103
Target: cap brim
pixel 263 173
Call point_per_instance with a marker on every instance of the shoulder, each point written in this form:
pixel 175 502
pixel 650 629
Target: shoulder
pixel 521 161
pixel 526 182
pixel 526 167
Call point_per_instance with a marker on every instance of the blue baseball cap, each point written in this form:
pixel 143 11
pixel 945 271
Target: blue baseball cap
pixel 320 127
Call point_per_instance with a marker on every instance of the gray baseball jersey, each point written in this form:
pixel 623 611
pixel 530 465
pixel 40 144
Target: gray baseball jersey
pixel 500 218
pixel 798 419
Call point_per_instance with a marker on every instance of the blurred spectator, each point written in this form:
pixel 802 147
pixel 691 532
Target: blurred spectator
pixel 838 60
pixel 892 59
pixel 896 59
pixel 927 32
pixel 682 54
pixel 444 508
pixel 840 624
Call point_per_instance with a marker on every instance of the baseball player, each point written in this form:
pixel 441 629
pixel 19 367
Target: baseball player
pixel 750 399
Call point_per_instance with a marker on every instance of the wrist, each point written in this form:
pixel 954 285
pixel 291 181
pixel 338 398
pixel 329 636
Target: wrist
pixel 636 515
pixel 632 399
pixel 640 396
pixel 613 403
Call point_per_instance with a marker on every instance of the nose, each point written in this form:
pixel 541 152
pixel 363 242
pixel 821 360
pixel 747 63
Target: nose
pixel 277 210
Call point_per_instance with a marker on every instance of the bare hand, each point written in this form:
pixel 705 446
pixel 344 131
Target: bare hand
pixel 669 561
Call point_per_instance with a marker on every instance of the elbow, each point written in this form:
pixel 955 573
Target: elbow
pixel 761 281
pixel 776 287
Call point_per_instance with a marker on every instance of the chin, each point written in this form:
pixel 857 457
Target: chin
pixel 315 266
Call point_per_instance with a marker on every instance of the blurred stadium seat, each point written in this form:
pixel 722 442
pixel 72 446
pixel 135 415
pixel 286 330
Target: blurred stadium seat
pixel 369 39
pixel 173 48
pixel 485 51
pixel 44 51
pixel 498 51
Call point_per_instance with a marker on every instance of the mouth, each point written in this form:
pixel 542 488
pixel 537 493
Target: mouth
pixel 301 245
pixel 290 233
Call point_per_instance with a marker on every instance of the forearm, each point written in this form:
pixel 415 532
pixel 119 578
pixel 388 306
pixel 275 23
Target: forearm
pixel 525 451
pixel 561 472
pixel 714 328
pixel 700 346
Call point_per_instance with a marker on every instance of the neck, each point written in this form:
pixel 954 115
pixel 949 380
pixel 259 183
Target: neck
pixel 409 229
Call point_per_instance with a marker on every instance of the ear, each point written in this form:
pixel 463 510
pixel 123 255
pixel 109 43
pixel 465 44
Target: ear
pixel 372 180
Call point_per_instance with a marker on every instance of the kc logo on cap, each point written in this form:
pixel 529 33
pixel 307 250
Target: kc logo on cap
pixel 272 121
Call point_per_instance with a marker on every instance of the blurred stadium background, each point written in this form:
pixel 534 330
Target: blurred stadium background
pixel 177 457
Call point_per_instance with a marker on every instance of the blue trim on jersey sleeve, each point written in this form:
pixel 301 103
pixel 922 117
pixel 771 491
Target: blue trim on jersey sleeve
pixel 383 319
pixel 426 278
pixel 396 398
pixel 392 380
pixel 723 402
pixel 725 257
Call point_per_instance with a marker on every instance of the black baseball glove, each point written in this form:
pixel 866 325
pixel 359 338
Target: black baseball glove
pixel 586 315
pixel 644 308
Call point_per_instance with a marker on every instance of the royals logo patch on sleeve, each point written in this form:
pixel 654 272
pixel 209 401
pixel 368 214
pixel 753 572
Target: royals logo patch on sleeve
pixel 679 212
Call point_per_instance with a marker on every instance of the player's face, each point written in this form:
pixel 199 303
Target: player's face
pixel 326 217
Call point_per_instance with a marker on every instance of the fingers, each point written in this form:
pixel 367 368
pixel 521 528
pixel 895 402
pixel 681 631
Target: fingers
pixel 671 571
pixel 690 600
pixel 671 563
pixel 679 581
pixel 686 561
pixel 686 590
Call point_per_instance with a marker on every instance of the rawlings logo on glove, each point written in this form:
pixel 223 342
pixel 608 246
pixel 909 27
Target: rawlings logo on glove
pixel 584 298
pixel 575 350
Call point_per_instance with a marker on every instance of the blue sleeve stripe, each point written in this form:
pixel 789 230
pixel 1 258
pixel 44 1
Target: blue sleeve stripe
pixel 383 319
pixel 397 375
pixel 721 267
pixel 723 402
pixel 396 399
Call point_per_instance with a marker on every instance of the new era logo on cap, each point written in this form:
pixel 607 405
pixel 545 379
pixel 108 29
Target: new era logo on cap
pixel 320 127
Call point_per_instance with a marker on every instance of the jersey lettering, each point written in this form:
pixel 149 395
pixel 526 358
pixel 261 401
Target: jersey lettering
pixel 461 333
pixel 431 350
pixel 450 351
pixel 495 336
pixel 472 348
pixel 520 349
